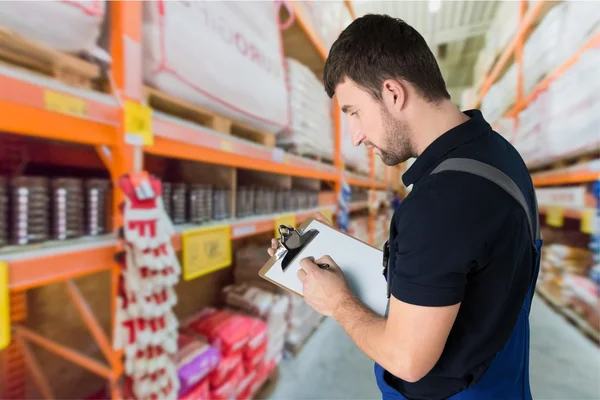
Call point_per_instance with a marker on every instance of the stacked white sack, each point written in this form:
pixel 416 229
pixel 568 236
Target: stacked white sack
pixel 225 56
pixel 311 128
pixel 75 25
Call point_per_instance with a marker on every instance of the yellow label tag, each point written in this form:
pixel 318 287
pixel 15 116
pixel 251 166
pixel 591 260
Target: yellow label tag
pixel 226 145
pixel 138 121
pixel 287 220
pixel 590 221
pixel 205 250
pixel 555 216
pixel 64 103
pixel 4 306
pixel 327 214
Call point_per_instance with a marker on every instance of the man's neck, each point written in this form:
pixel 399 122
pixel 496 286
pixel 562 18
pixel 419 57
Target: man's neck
pixel 433 121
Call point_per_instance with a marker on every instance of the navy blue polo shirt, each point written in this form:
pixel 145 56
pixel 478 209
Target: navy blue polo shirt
pixel 460 238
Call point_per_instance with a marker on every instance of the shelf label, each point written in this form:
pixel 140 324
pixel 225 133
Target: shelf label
pixel 327 214
pixel 590 223
pixel 555 216
pixel 138 121
pixel 4 306
pixel 226 145
pixel 205 250
pixel 64 103
pixel 287 220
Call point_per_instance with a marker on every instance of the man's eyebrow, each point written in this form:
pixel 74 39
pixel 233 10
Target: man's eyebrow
pixel 346 108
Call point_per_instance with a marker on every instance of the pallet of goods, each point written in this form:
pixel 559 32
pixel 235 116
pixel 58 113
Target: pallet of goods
pixel 212 62
pixel 53 49
pixel 311 129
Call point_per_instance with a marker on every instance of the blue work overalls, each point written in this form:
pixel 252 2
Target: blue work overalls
pixel 508 375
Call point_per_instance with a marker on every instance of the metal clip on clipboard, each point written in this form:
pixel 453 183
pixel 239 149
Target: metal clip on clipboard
pixel 291 243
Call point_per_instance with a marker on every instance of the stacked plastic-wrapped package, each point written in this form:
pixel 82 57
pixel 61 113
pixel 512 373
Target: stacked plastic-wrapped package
pixel 571 104
pixel 355 157
pixel 221 55
pixel 269 307
pixel 75 26
pixel 327 17
pixel 359 228
pixel 501 31
pixel 500 96
pixel 311 128
pixel 302 321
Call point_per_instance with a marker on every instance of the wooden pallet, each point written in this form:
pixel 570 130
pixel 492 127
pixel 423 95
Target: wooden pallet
pixel 313 157
pixel 569 315
pixel 185 110
pixel 26 53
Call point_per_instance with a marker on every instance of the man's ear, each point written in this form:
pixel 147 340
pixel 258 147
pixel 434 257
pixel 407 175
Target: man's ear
pixel 394 94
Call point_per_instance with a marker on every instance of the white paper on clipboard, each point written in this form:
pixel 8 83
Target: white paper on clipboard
pixel 361 263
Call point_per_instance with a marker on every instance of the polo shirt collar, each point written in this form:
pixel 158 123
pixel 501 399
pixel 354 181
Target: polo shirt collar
pixel 455 137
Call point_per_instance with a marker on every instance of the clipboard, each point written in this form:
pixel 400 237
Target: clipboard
pixel 361 262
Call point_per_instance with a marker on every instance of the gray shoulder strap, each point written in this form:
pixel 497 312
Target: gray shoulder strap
pixel 499 178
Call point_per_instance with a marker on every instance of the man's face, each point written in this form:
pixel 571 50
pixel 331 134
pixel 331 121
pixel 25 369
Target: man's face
pixel 372 124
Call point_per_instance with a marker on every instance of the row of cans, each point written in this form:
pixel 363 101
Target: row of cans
pixel 200 203
pixel 256 201
pixel 37 209
pixel 195 203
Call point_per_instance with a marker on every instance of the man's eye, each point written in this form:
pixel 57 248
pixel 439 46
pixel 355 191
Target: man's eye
pixel 354 113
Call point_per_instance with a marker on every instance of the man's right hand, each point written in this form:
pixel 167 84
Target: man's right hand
pixel 275 243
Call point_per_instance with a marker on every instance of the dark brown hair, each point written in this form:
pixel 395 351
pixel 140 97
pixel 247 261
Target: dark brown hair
pixel 374 48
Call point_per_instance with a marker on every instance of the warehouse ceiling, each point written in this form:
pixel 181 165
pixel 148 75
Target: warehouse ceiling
pixel 454 30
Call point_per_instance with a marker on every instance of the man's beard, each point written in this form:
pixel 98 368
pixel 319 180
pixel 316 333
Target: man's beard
pixel 397 141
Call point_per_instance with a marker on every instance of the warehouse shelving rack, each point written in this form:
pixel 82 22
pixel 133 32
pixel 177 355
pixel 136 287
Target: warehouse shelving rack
pixel 41 107
pixel 588 218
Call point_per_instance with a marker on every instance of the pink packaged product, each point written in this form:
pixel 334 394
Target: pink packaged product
pixel 226 367
pixel 194 360
pixel 228 332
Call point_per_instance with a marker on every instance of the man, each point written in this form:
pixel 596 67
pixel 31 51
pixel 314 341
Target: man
pixel 463 248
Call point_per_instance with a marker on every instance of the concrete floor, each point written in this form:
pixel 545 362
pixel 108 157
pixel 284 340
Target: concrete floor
pixel 564 364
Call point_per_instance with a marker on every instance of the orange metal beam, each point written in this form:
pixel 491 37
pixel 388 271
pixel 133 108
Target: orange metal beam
pixel 187 151
pixel 543 85
pixel 89 319
pixel 350 8
pixel 308 29
pixel 71 355
pixel 37 374
pixel 526 23
pixel 29 121
pixel 566 178
pixel 54 266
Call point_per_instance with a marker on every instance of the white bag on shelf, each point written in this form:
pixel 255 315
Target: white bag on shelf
pixel 326 17
pixel 311 127
pixel 71 26
pixel 225 56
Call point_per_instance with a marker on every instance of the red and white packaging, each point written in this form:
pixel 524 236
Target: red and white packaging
pixel 244 389
pixel 199 392
pixel 227 365
pixel 67 25
pixel 228 389
pixel 225 56
pixel 226 331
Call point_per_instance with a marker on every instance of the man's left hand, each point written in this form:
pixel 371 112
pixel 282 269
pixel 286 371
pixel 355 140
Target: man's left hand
pixel 323 289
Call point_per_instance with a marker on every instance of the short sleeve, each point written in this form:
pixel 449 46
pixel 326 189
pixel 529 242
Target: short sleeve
pixel 436 248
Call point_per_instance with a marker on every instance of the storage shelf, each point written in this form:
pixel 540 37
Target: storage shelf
pixel 565 177
pixel 177 138
pixel 41 264
pixel 28 101
pixel 532 17
pixel 358 205
pixel 594 41
pixel 246 227
pixel 574 213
